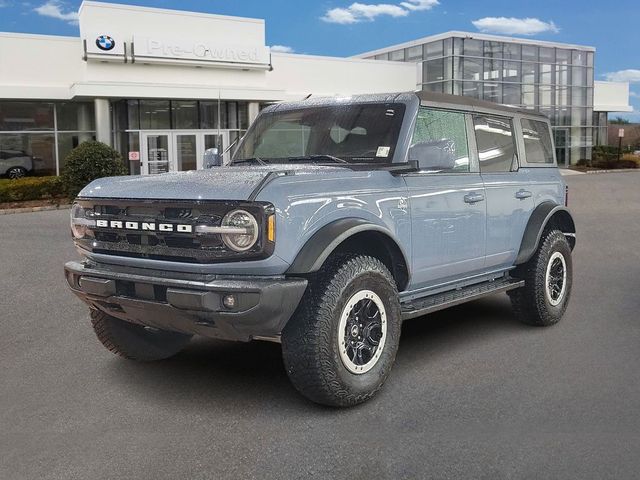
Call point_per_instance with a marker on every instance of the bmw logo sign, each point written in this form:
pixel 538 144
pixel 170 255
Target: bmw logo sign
pixel 105 42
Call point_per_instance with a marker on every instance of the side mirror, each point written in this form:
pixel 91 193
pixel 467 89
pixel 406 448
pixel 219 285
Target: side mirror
pixel 212 158
pixel 433 155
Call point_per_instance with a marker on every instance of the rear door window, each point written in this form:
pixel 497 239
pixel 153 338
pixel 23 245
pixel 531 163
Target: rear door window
pixel 538 147
pixel 496 144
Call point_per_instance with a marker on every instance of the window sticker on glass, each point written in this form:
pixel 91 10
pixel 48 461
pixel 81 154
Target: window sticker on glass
pixel 383 151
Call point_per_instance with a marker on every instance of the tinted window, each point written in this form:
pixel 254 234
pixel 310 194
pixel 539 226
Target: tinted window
pixel 537 141
pixel 397 56
pixel 496 147
pixel 184 114
pixel 440 141
pixel 17 116
pixel 75 116
pixel 154 115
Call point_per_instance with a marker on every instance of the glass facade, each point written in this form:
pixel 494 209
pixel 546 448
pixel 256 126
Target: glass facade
pixel 44 131
pixel 130 117
pixel 555 81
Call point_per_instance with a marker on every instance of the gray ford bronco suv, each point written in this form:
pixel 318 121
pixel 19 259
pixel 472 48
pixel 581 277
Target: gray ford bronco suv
pixel 336 220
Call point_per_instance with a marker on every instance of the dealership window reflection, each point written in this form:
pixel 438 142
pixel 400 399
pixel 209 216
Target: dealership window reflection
pixel 30 131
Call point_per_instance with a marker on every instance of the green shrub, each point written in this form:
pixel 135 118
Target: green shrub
pixel 88 161
pixel 604 150
pixel 31 188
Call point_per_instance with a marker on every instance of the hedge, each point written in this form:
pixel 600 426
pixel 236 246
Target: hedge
pixel 31 188
pixel 88 161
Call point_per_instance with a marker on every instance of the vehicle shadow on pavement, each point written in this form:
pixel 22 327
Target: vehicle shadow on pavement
pixel 461 323
pixel 220 375
pixel 455 329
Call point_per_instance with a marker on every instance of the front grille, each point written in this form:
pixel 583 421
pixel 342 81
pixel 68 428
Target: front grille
pixel 169 245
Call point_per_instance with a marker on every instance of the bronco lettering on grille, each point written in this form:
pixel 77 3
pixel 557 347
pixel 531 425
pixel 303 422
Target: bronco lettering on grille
pixel 145 226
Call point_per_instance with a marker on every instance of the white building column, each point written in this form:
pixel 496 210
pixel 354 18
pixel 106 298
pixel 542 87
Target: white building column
pixel 103 120
pixel 84 122
pixel 254 110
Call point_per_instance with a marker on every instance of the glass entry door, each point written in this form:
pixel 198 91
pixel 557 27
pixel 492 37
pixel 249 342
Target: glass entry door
pixel 562 146
pixel 187 151
pixel 176 151
pixel 156 153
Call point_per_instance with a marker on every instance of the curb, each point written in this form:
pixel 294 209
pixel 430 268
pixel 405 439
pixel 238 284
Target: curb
pixel 614 170
pixel 610 170
pixel 8 211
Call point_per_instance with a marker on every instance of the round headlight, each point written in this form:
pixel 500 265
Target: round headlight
pixel 243 230
pixel 79 221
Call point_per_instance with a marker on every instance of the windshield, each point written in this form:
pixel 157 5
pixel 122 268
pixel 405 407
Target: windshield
pixel 355 133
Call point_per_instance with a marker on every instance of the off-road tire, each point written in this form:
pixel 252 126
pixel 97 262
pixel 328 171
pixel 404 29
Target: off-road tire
pixel 136 342
pixel 531 303
pixel 310 346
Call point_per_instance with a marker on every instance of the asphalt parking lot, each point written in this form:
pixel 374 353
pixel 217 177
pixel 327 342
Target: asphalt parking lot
pixel 473 394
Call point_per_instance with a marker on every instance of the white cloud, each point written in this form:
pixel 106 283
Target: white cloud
pixel 414 5
pixel 281 49
pixel 339 15
pixel 359 12
pixel 54 9
pixel 631 75
pixel 514 26
pixel 634 94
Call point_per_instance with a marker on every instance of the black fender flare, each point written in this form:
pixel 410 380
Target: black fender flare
pixel 322 243
pixel 538 220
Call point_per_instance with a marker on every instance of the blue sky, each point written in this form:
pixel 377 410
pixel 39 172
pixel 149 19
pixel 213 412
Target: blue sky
pixel 336 27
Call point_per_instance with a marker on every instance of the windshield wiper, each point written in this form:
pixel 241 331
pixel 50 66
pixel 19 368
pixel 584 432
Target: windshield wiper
pixel 252 159
pixel 316 157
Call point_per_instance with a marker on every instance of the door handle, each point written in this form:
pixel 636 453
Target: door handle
pixel 522 194
pixel 473 197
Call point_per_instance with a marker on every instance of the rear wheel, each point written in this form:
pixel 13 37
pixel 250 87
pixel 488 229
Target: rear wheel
pixel 548 279
pixel 16 172
pixel 342 341
pixel 136 342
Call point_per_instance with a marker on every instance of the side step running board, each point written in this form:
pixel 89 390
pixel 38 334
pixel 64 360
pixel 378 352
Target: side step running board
pixel 432 303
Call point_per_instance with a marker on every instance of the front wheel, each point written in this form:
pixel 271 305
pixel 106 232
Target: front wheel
pixel 342 341
pixel 548 279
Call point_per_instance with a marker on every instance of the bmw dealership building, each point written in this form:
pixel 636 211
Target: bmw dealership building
pixel 162 86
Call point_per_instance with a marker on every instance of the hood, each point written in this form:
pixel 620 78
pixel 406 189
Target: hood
pixel 219 183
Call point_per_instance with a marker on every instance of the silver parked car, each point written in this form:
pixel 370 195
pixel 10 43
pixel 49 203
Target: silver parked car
pixel 337 219
pixel 15 163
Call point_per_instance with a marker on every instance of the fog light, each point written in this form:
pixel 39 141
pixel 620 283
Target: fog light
pixel 229 301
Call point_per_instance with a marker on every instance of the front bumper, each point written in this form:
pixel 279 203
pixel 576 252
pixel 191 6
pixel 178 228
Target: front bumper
pixel 263 305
